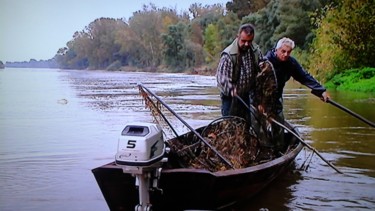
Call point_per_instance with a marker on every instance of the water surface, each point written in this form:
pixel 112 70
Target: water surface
pixel 55 126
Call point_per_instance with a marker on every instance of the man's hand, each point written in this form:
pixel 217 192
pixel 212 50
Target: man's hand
pixel 233 92
pixel 325 97
pixel 261 109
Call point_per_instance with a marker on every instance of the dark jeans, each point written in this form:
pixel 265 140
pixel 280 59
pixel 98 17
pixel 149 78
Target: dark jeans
pixel 226 102
pixel 233 107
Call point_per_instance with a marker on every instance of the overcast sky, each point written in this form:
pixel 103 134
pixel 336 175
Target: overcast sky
pixel 36 29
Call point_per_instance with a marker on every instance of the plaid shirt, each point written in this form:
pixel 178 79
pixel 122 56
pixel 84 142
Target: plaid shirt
pixel 225 71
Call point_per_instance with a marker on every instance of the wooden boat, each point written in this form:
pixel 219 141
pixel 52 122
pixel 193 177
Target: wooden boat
pixel 182 188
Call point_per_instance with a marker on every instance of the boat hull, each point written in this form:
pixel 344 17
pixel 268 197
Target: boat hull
pixel 186 188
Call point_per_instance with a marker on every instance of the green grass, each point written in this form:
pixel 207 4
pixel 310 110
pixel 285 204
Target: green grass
pixel 359 80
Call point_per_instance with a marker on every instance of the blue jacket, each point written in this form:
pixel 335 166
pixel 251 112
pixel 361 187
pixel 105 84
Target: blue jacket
pixel 291 68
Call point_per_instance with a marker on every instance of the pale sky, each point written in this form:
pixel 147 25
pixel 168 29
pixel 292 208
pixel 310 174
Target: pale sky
pixel 36 29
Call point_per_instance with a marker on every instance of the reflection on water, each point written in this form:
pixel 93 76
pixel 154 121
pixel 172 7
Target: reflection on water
pixel 55 126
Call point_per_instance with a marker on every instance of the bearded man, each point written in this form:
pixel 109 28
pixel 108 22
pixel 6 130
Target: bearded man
pixel 236 72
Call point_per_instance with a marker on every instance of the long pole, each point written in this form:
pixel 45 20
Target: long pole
pixel 188 126
pixel 351 112
pixel 147 98
pixel 293 133
pixel 304 143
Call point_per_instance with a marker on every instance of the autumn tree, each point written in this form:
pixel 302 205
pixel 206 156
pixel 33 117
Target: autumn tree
pixel 75 55
pixel 103 46
pixel 94 48
pixel 345 38
pixel 148 25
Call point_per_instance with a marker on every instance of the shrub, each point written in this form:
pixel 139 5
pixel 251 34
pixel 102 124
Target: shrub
pixel 360 80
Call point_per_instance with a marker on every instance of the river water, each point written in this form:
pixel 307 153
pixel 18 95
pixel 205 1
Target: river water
pixel 57 125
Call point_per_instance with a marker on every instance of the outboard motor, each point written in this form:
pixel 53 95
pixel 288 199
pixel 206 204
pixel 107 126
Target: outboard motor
pixel 141 151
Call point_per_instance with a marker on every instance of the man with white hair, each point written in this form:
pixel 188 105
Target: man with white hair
pixel 285 67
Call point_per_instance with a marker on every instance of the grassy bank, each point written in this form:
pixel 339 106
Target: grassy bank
pixel 359 80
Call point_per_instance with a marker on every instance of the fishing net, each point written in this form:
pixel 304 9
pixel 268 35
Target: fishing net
pixel 230 136
pixel 227 137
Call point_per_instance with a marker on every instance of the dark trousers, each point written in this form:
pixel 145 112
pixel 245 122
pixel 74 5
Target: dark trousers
pixel 226 102
pixel 233 107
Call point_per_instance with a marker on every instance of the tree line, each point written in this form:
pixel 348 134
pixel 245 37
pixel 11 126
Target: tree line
pixel 331 36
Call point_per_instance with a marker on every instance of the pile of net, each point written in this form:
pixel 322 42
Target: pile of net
pixel 229 136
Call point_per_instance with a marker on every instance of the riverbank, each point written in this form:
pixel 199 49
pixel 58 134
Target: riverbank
pixel 201 70
pixel 358 80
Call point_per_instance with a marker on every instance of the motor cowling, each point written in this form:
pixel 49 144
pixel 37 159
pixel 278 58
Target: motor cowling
pixel 140 145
